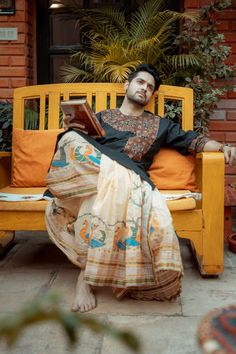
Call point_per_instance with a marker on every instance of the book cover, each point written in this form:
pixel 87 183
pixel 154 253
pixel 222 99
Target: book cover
pixel 83 118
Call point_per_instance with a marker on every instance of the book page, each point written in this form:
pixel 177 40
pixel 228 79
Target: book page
pixel 11 197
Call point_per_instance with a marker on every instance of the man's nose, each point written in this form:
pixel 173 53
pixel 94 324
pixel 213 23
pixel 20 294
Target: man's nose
pixel 144 87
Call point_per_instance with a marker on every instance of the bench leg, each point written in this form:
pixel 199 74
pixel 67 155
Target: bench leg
pixel 6 241
pixel 227 222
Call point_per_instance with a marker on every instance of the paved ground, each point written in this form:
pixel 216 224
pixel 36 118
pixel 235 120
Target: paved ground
pixel 34 266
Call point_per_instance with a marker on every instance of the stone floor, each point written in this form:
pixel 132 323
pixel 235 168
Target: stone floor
pixel 34 266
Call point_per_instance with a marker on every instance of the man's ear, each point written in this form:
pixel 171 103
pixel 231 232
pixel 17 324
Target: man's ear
pixel 126 84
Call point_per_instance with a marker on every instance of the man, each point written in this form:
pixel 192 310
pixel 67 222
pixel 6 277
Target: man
pixel 107 216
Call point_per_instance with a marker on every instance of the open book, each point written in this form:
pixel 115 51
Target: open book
pixel 83 118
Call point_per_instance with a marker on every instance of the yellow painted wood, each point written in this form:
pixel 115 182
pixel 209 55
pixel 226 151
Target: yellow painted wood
pixel 191 220
pixel 53 110
pixel 5 154
pixel 213 206
pixel 203 226
pixel 183 94
pixel 22 220
pixel 101 101
pixel 6 237
pixel 90 98
pixel 113 101
pixel 42 112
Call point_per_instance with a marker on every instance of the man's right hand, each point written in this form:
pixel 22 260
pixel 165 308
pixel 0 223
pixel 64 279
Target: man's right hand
pixel 69 123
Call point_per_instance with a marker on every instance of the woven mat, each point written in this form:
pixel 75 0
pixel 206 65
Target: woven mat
pixel 217 331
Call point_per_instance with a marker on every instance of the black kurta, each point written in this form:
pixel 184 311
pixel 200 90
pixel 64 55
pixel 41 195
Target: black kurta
pixel 134 140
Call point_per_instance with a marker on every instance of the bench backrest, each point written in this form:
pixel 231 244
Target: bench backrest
pixel 99 95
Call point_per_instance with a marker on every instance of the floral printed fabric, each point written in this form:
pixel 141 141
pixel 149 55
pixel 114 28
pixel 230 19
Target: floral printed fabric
pixel 112 224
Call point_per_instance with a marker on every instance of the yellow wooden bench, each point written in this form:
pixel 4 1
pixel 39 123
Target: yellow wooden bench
pixel 200 222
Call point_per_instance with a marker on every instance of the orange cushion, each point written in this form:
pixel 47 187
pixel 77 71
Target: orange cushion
pixel 171 170
pixel 32 152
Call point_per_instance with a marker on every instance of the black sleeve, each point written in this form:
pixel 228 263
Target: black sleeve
pixel 179 139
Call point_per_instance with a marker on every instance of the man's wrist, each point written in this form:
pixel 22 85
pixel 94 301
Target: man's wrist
pixel 222 147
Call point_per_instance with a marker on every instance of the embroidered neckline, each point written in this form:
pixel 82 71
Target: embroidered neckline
pixel 143 128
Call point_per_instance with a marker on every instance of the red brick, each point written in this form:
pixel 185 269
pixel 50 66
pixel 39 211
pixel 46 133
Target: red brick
pixel 230 37
pixel 230 179
pixel 13 72
pixel 230 170
pixel 6 93
pixel 231 115
pixel 4 19
pixel 219 136
pixel 204 2
pixel 233 25
pixel 223 25
pixel 228 14
pixel 222 126
pixel 22 38
pixel 231 136
pixel 20 16
pixel 17 60
pixel 12 50
pixel 22 27
pixel 227 104
pixel 233 47
pixel 218 115
pixel 232 94
pixel 18 82
pixel 4 60
pixel 231 59
pixel 4 82
pixel 20 5
pixel 191 4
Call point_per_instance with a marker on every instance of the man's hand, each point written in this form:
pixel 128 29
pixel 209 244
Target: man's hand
pixel 230 154
pixel 68 122
pixel 228 150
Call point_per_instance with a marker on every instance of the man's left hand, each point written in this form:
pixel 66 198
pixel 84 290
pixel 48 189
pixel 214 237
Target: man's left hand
pixel 230 155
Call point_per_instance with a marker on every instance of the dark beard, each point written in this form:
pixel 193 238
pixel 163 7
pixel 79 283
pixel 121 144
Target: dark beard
pixel 142 102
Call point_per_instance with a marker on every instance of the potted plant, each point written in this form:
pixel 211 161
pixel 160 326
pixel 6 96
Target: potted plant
pixel 114 44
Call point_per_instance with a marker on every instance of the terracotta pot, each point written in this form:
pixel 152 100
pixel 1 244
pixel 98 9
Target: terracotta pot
pixel 232 242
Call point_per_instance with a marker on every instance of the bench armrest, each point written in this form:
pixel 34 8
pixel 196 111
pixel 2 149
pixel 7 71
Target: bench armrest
pixel 210 181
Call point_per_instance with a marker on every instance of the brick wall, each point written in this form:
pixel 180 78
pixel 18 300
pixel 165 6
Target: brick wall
pixel 223 122
pixel 16 62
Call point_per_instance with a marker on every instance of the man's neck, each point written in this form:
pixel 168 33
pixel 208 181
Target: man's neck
pixel 131 108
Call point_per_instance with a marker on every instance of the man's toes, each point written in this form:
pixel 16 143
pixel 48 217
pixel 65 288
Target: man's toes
pixel 75 308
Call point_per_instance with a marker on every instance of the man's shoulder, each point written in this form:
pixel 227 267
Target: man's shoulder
pixel 152 115
pixel 105 112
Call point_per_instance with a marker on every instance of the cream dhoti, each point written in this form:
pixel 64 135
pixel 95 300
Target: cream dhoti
pixel 111 223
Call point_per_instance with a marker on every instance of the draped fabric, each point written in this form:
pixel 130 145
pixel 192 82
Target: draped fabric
pixel 111 223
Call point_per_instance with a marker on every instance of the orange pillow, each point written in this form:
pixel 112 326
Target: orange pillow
pixel 171 170
pixel 32 153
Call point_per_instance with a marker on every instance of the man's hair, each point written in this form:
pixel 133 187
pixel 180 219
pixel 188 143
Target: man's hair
pixel 149 68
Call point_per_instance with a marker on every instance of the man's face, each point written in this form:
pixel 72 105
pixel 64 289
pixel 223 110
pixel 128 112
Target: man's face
pixel 141 88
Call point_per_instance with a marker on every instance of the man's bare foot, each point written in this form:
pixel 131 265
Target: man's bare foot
pixel 84 297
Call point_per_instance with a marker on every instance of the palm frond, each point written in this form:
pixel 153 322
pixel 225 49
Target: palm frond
pixel 114 72
pixel 183 61
pixel 115 46
pixel 112 16
pixel 140 20
pixel 71 73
